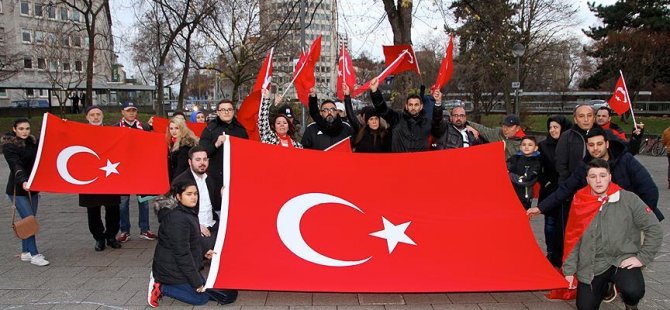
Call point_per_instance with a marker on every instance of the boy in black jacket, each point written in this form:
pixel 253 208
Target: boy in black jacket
pixel 524 168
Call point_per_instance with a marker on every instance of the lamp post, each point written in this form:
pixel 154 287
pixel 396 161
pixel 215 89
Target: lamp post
pixel 517 50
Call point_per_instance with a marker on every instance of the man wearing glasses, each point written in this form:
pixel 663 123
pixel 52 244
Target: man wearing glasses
pixel 328 127
pixel 454 133
pixel 212 137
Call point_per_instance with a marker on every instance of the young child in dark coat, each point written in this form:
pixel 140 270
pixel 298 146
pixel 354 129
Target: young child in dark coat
pixel 524 169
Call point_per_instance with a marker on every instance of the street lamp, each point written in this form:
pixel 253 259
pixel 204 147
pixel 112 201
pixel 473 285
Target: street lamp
pixel 517 50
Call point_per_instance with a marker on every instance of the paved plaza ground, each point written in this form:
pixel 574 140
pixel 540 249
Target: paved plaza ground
pixel 80 278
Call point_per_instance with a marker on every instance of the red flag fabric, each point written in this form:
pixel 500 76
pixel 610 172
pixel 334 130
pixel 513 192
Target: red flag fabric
pixel 311 231
pixel 84 159
pixel 409 63
pixel 161 125
pixel 250 107
pixel 304 71
pixel 345 72
pixel 447 66
pixel 619 100
pixel 387 71
pixel 342 146
pixel 583 209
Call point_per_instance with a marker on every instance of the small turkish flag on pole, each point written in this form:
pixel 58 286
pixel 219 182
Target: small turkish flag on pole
pixel 620 100
pixel 250 108
pixel 447 66
pixel 303 78
pixel 85 159
pixel 401 60
pixel 343 146
pixel 409 62
pixel 345 72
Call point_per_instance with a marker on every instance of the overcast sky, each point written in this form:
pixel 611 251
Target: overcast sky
pixel 356 18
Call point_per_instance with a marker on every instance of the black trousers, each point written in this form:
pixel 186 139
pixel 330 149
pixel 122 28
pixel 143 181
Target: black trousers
pixel 629 283
pixel 95 225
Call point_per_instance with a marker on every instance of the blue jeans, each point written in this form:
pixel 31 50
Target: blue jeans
pixel 125 215
pixel 24 208
pixel 184 293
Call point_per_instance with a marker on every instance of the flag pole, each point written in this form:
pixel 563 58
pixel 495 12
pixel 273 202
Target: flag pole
pixel 344 60
pixel 266 82
pixel 630 103
pixel 394 62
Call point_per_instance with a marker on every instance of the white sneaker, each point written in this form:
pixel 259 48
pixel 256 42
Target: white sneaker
pixel 39 260
pixel 25 256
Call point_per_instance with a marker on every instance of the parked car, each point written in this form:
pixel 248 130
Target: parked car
pixel 33 103
pixel 598 103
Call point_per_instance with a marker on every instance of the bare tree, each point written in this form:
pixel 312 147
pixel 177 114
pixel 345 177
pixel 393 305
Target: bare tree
pixel 240 41
pixel 11 62
pixel 92 11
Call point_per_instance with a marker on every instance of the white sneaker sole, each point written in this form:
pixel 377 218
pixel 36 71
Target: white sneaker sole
pixel 151 286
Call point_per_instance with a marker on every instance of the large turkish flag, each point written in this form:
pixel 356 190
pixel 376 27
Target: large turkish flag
pixel 443 221
pixel 162 124
pixel 85 159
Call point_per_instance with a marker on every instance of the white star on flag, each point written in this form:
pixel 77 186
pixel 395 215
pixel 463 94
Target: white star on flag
pixel 110 168
pixel 393 234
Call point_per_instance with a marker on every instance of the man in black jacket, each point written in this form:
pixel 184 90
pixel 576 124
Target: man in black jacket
pixel 209 195
pixel 626 171
pixel 453 133
pixel 212 137
pixel 93 203
pixel 411 127
pixel 328 127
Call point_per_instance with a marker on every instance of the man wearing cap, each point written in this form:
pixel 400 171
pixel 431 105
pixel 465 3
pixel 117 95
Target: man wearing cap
pixel 214 135
pixel 453 133
pixel 104 234
pixel 328 127
pixel 411 127
pixel 509 132
pixel 129 120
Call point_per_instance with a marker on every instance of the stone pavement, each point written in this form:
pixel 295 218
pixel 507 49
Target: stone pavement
pixel 80 278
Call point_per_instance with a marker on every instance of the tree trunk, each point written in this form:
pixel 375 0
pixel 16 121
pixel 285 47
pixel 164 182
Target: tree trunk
pixel 184 76
pixel 90 62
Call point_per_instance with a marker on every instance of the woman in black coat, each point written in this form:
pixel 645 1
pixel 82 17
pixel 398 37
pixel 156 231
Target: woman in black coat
pixel 548 179
pixel 373 137
pixel 179 255
pixel 20 150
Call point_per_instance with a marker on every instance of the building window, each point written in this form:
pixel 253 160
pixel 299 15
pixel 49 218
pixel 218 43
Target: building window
pixel 51 38
pixel 30 93
pixel 25 8
pixel 3 91
pixel 27 63
pixel 65 40
pixel 78 66
pixel 39 37
pixel 26 36
pixel 76 17
pixel 51 11
pixel 66 66
pixel 1 13
pixel 76 41
pixel 63 14
pixel 2 33
pixel 38 10
pixel 41 63
pixel 53 66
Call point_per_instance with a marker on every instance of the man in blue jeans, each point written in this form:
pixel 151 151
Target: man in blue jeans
pixel 129 120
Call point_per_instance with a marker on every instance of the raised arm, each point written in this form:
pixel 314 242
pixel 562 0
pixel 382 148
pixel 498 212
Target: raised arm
pixel 382 108
pixel 349 108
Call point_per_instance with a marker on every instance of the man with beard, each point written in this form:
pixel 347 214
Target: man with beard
pixel 626 171
pixel 328 127
pixel 453 133
pixel 209 195
pixel 410 127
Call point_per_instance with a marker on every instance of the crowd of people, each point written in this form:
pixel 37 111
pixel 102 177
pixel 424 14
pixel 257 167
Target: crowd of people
pixel 590 159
